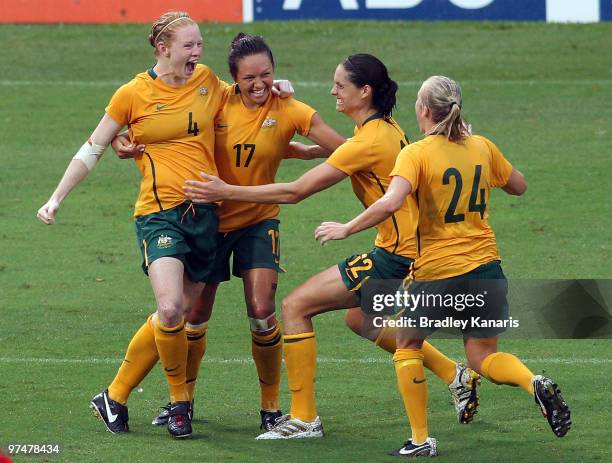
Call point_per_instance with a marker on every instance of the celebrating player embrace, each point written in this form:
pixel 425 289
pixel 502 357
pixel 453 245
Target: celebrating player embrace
pixel 364 92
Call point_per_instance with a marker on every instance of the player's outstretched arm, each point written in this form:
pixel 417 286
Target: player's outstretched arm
pixel 82 163
pixel 382 209
pixel 316 179
pixel 517 185
pixel 327 140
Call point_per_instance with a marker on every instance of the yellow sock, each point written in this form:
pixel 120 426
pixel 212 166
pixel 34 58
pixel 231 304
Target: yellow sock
pixel 413 388
pixel 301 361
pixel 140 357
pixel 172 347
pixel 438 363
pixel 504 368
pixel 434 360
pixel 267 352
pixel 196 348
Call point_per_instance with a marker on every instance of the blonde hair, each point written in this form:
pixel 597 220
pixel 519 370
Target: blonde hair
pixel 443 98
pixel 164 28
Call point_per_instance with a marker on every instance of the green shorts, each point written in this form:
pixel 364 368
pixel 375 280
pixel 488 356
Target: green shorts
pixel 377 264
pixel 254 246
pixel 477 299
pixel 187 232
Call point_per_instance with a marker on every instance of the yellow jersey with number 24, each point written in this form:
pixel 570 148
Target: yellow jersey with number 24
pixel 452 183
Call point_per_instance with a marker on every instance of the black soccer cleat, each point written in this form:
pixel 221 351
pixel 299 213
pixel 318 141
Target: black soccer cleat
pixel 429 448
pixel 162 418
pixel 179 420
pixel 548 397
pixel 268 419
pixel 113 414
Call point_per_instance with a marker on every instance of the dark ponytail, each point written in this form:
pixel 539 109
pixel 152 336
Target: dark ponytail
pixel 245 45
pixel 364 69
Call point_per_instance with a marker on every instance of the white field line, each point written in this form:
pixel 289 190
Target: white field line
pixel 249 361
pixel 409 83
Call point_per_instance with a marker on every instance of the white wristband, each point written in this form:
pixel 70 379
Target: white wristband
pixel 90 153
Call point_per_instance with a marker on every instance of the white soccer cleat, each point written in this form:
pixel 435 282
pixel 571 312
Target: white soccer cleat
pixel 463 392
pixel 293 428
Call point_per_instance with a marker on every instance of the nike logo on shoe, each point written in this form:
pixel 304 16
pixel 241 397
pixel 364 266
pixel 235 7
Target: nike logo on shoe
pixel 112 417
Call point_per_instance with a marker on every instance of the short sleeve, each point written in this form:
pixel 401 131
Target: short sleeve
pixel 500 166
pixel 408 166
pixel 300 114
pixel 350 157
pixel 120 105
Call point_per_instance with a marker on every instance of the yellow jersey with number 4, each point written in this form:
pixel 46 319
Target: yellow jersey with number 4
pixel 452 183
pixel 249 146
pixel 368 158
pixel 176 126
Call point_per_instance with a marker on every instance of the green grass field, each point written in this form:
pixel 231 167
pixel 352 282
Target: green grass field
pixel 73 294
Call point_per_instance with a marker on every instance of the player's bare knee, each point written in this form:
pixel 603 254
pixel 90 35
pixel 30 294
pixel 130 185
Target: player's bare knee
pixel 200 311
pixel 292 309
pixel 260 308
pixel 170 313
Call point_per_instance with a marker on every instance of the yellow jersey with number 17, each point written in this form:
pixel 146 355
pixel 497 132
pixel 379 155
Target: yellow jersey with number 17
pixel 176 126
pixel 368 158
pixel 249 146
pixel 452 183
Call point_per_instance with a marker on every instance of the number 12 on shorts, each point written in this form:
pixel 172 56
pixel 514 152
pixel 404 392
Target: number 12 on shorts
pixel 353 268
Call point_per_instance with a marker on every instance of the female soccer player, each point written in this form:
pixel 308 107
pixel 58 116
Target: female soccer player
pixel 364 92
pixel 170 109
pixel 252 134
pixel 451 173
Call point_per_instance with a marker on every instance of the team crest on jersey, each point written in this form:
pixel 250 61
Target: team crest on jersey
pixel 269 122
pixel 164 242
pixel 203 91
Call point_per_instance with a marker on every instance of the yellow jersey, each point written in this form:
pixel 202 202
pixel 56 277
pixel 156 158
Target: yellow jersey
pixel 176 126
pixel 368 158
pixel 249 146
pixel 451 183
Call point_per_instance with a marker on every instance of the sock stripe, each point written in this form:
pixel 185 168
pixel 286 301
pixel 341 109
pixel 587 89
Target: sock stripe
pixel 274 341
pixel 195 337
pixel 293 340
pixel 172 330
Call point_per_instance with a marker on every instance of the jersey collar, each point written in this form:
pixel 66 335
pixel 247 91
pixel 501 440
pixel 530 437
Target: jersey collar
pixel 373 117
